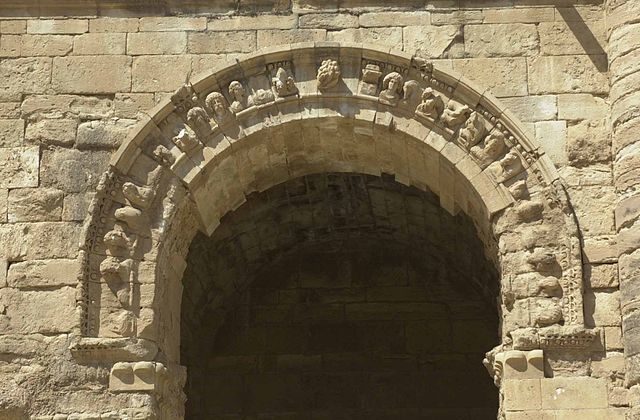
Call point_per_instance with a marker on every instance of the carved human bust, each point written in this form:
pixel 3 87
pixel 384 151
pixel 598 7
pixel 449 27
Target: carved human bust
pixel 218 106
pixel 237 92
pixel 392 85
pixel 431 105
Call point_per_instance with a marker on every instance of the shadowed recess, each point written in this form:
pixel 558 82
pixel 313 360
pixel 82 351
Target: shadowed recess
pixel 340 296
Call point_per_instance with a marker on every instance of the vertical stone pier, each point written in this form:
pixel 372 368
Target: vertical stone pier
pixel 623 29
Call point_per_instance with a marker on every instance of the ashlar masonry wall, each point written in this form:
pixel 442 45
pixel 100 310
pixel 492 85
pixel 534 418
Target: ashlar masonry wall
pixel 75 77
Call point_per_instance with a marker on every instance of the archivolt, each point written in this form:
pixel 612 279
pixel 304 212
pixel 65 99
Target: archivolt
pixel 314 108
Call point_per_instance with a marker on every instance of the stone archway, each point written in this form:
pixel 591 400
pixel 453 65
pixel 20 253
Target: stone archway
pixel 320 108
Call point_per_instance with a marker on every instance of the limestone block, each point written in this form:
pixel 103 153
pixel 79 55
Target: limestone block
pixel 568 74
pixel 10 46
pixel 103 134
pixel 600 249
pixel 137 376
pixel 19 167
pixel 530 415
pixel 456 17
pixel 4 197
pixel 374 19
pixel 44 273
pixel 24 76
pixel 100 43
pixel 42 311
pixel 159 73
pixel 13 26
pixel 202 63
pixel 240 23
pixel 45 45
pixel 10 110
pixel 502 76
pixel 505 40
pixel 608 367
pixel 272 37
pixel 11 132
pixel 328 21
pixel 581 107
pixel 429 41
pixel 560 38
pixel 598 414
pixel 73 170
pixel 3 272
pixel 601 276
pixel 522 394
pixel 382 36
pixel 92 74
pixel 533 108
pixel 613 338
pixel 76 206
pixel 35 205
pixel 571 393
pixel 36 107
pixel 61 132
pixel 156 43
pixel 222 42
pixel 57 26
pixel 588 142
pixel 602 309
pixel 113 25
pixel 627 211
pixel 552 136
pixel 594 207
pixel 173 23
pixel 519 15
pixel 129 105
pixel 41 241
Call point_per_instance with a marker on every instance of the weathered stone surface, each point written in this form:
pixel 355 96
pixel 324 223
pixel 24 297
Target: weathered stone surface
pixel 581 107
pixel 552 136
pixel 601 276
pixel 45 240
pixel 99 43
pixel 159 73
pixel 76 206
pixel 13 26
pixel 244 23
pixel 173 23
pixel 103 134
pixel 92 74
pixel 507 40
pixel 10 110
pixel 429 41
pixel 519 15
pixel 602 309
pixel 588 142
pixel 613 338
pixel 35 205
pixel 113 25
pixel 456 17
pixel 268 37
pixel 328 21
pixel 58 132
pixel 386 36
pixel 502 76
pixel 594 207
pixel 46 312
pixel 58 26
pixel 374 19
pixel 568 74
pixel 627 211
pixel 129 105
pixel 23 76
pixel 560 38
pixel 600 249
pixel 72 170
pixel 44 273
pixel 11 132
pixel 45 45
pixel 222 42
pixel 577 393
pixel 38 107
pixel 156 43
pixel 10 46
pixel 19 167
pixel 533 108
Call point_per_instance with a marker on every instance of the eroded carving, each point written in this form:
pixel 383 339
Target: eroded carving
pixel 392 88
pixel 219 107
pixel 239 95
pixel 514 364
pixel 137 376
pixel 431 105
pixel 491 149
pixel 455 114
pixel 188 107
pixel 138 196
pixel 132 217
pixel 510 166
pixel 186 140
pixel 370 77
pixel 472 131
pixel 328 74
pixel 283 83
pixel 163 156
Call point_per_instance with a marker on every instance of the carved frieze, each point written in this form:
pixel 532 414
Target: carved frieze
pixel 282 81
pixel 239 95
pixel 328 74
